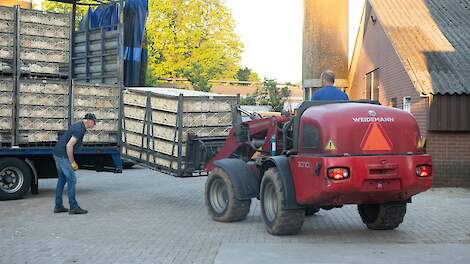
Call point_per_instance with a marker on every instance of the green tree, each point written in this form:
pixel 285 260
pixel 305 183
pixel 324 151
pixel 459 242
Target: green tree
pixel 247 75
pixel 64 8
pixel 192 39
pixel 248 100
pixel 270 94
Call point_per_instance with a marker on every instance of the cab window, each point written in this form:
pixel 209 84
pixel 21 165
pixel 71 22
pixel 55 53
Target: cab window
pixel 310 138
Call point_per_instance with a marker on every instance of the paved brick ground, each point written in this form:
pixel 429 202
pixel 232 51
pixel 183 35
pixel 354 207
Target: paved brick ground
pixel 142 216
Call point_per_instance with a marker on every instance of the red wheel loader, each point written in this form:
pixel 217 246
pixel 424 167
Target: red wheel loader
pixel 325 156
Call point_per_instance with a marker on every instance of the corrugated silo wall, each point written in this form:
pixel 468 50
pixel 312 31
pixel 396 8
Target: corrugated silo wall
pixel 325 40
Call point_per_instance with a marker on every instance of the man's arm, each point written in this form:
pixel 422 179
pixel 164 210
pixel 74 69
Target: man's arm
pixel 69 148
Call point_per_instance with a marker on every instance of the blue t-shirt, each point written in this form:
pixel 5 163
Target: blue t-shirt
pixel 329 93
pixel 77 130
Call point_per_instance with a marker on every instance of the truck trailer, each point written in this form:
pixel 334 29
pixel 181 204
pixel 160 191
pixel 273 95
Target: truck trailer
pixel 50 76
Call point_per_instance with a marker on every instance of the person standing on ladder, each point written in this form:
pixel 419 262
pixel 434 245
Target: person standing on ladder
pixel 66 164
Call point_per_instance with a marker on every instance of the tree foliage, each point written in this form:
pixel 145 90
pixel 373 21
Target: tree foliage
pixel 269 93
pixel 192 39
pixel 247 75
pixel 248 100
pixel 64 8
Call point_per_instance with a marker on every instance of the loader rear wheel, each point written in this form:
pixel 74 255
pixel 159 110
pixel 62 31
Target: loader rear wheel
pixel 384 216
pixel 278 220
pixel 220 199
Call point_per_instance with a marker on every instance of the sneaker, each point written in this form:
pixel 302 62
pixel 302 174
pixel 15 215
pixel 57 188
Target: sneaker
pixel 60 210
pixel 78 210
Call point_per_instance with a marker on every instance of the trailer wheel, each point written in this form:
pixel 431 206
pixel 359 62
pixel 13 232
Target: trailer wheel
pixel 278 220
pixel 385 216
pixel 15 178
pixel 220 198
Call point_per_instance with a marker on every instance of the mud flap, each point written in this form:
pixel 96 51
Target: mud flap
pixel 245 181
pixel 282 165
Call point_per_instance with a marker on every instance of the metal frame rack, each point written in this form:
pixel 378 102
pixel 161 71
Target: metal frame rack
pixel 16 147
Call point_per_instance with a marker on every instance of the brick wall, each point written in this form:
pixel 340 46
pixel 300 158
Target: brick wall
pixel 376 52
pixel 451 158
pixel 450 151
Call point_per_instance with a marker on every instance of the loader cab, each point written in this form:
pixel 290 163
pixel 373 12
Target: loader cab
pixel 304 136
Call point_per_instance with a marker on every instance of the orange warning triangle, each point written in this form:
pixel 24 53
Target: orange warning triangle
pixel 375 139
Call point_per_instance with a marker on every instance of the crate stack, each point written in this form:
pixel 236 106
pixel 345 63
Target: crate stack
pixel 158 121
pixel 43 111
pixel 43 86
pixel 34 58
pixel 6 110
pixel 44 43
pixel 103 101
pixel 6 73
pixel 7 36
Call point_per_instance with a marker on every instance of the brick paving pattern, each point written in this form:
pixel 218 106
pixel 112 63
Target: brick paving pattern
pixel 142 216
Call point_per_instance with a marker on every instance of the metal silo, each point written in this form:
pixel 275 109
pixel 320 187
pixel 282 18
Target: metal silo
pixel 325 42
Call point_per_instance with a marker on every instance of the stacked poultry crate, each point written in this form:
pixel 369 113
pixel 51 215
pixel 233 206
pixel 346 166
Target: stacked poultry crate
pixel 6 110
pixel 7 36
pixel 43 92
pixel 6 77
pixel 104 101
pixel 44 42
pixel 34 57
pixel 42 110
pixel 158 124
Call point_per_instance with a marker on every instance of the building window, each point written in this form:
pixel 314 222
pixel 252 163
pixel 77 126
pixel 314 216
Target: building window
pixel 307 94
pixel 372 85
pixel 394 102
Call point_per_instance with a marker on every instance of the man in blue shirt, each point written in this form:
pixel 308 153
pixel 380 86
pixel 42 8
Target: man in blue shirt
pixel 66 165
pixel 329 92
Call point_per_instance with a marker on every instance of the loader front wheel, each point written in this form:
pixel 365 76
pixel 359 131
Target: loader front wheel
pixel 278 219
pixel 220 199
pixel 384 216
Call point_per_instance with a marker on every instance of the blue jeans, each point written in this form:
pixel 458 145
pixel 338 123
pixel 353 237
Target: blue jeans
pixel 65 175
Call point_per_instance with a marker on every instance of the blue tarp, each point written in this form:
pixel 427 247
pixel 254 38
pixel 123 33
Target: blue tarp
pixel 135 14
pixel 135 54
pixel 102 16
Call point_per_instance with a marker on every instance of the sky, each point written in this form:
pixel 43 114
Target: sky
pixel 271 31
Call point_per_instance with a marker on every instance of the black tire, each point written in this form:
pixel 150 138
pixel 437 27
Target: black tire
pixel 278 220
pixel 15 178
pixel 311 211
pixel 220 199
pixel 385 216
